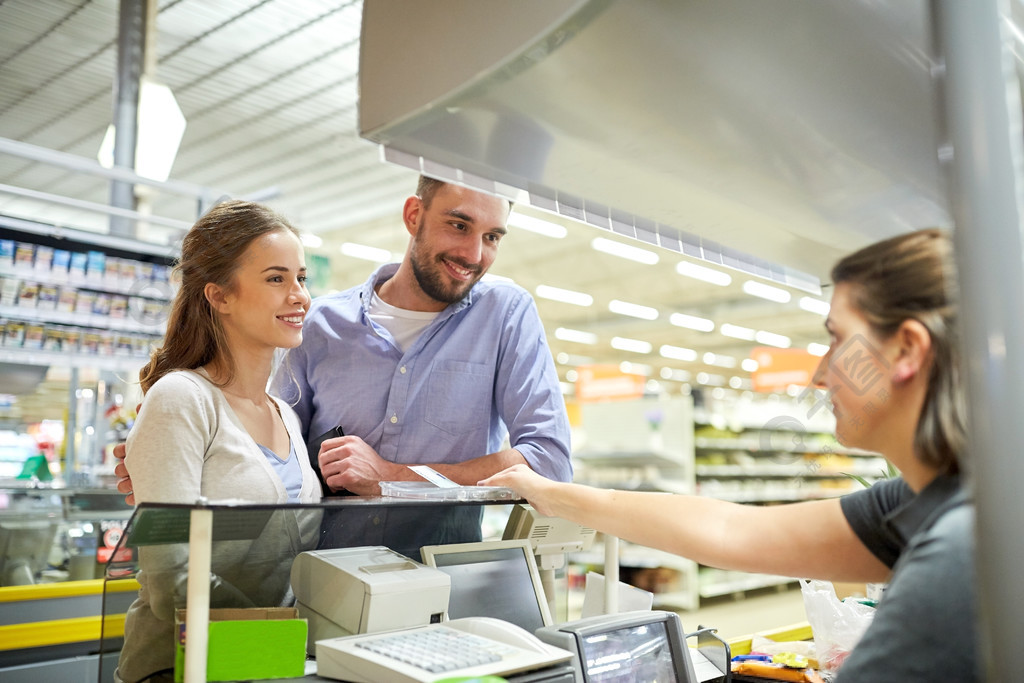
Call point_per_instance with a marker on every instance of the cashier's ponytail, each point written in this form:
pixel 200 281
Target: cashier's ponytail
pixel 210 253
pixel 912 277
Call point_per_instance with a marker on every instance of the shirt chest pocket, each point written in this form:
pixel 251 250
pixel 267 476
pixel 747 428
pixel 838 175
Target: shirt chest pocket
pixel 459 396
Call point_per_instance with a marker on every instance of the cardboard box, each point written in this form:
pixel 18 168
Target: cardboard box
pixel 248 644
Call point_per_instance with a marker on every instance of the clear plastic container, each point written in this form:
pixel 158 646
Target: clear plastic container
pixel 424 490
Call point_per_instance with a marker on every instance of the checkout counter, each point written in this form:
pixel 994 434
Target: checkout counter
pixel 337 591
pixel 339 581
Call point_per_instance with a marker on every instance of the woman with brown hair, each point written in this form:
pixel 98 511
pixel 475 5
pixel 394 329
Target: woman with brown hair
pixel 209 429
pixel 892 372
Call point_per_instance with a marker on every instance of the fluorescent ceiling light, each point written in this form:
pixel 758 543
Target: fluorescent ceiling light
pixel 675 375
pixel 625 251
pixel 719 360
pixel 160 128
pixel 759 289
pixel 362 251
pixel 635 368
pixel 710 380
pixel 312 241
pixel 566 296
pixel 491 277
pixel 537 225
pixel 633 310
pixel 772 339
pixel 691 322
pixel 739 383
pixel 578 336
pixel 737 332
pixel 564 358
pixel 816 349
pixel 678 353
pixel 813 305
pixel 634 345
pixel 715 277
pixel 750 365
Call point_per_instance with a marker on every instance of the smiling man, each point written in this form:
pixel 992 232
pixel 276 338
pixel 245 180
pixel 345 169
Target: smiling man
pixel 427 364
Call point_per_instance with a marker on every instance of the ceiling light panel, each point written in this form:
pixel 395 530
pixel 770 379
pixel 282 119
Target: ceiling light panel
pixel 633 310
pixel 578 336
pixel 537 225
pixel 625 251
pixel 691 322
pixel 566 296
pixel 704 274
pixel 759 289
pixel 633 345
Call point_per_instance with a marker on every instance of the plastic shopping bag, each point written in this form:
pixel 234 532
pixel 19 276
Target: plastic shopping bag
pixel 837 624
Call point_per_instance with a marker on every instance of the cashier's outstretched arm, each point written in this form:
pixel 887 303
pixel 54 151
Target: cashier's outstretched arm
pixel 805 540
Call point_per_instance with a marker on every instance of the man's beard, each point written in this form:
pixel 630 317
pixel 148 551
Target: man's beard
pixel 433 282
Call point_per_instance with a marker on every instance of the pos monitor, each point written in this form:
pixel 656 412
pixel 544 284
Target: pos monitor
pixel 625 647
pixel 492 579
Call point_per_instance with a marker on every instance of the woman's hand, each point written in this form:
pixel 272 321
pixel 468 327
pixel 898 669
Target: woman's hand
pixel 536 489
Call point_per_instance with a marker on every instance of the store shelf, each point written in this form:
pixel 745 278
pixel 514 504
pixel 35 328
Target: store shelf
pixel 716 583
pixel 781 471
pixel 85 320
pixel 71 360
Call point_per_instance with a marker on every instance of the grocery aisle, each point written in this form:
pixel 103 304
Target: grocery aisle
pixel 756 612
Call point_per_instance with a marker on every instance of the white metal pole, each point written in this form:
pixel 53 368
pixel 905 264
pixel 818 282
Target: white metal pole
pixel 197 618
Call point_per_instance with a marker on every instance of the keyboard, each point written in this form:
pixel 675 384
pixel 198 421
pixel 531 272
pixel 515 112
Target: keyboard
pixel 474 646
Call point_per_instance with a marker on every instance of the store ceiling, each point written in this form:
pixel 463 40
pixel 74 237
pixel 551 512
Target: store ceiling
pixel 269 92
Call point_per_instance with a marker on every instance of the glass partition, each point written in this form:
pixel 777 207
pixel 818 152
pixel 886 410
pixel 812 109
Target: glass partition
pixel 251 552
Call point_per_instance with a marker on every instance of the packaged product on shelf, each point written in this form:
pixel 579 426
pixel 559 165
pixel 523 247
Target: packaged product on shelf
pixel 44 259
pixel 141 345
pixel 61 265
pixel 95 266
pixel 24 255
pixel 129 273
pixel 155 312
pixel 112 272
pixel 101 304
pixel 72 339
pixel 84 301
pixel 91 342
pixel 9 287
pixel 67 299
pixel 118 306
pixel 6 253
pixel 33 336
pixel 144 271
pixel 53 338
pixel 47 297
pixel 76 269
pixel 14 333
pixel 161 273
pixel 123 345
pixel 28 294
pixel 106 347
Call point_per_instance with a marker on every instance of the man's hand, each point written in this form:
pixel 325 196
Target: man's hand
pixel 348 463
pixel 124 482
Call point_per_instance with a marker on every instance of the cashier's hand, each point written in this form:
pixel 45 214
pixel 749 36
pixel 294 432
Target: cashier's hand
pixel 348 463
pixel 124 482
pixel 535 488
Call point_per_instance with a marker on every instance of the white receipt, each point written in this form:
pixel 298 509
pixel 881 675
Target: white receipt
pixel 433 476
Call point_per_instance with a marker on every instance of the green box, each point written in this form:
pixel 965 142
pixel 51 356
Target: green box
pixel 249 643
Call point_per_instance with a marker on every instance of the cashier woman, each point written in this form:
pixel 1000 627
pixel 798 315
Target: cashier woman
pixel 892 372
